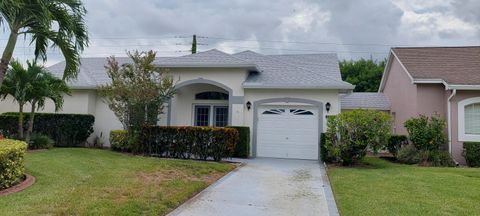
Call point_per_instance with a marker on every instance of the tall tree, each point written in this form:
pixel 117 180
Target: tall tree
pixel 33 85
pixel 364 74
pixel 56 23
pixel 138 90
pixel 194 44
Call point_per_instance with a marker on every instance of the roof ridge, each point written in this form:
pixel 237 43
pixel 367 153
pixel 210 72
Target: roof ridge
pixel 307 70
pixel 223 53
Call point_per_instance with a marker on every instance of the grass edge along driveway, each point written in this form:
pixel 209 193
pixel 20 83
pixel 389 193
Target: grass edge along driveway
pixel 78 181
pixel 379 187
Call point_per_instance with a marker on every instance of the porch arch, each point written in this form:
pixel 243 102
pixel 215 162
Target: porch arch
pixel 231 99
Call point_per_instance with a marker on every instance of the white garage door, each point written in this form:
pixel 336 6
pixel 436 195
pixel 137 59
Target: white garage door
pixel 288 132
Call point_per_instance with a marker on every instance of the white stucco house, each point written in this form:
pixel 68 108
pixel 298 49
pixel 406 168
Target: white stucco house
pixel 284 99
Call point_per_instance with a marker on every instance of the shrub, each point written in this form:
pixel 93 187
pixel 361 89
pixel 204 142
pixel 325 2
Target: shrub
pixel 325 154
pixel 39 141
pixel 119 141
pixel 64 129
pixel 187 142
pixel 435 158
pixel 426 133
pixel 242 148
pixel 471 152
pixel 395 142
pixel 408 154
pixel 12 166
pixel 350 134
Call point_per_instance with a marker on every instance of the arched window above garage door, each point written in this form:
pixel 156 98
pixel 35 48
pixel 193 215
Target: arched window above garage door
pixel 274 111
pixel 300 112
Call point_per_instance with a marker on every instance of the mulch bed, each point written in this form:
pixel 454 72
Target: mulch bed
pixel 29 180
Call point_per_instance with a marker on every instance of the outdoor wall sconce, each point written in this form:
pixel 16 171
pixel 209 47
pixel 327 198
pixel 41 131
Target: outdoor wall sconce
pixel 327 106
pixel 249 105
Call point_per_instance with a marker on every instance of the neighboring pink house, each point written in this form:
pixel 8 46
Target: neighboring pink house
pixel 445 80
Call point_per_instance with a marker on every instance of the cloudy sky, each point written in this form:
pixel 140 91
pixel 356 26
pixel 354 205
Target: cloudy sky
pixel 351 28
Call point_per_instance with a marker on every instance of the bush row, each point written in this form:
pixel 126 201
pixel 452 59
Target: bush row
pixel 64 129
pixel 178 142
pixel 12 168
pixel 187 142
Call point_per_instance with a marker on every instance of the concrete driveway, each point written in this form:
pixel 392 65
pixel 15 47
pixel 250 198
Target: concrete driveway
pixel 266 187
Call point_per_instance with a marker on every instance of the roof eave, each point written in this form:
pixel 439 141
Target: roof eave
pixel 371 108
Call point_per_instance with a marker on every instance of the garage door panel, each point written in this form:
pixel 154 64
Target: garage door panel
pixel 284 133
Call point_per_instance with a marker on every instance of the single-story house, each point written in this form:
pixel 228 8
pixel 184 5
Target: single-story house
pixel 443 80
pixel 284 99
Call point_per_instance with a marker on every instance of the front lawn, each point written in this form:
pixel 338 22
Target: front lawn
pixel 75 181
pixel 384 188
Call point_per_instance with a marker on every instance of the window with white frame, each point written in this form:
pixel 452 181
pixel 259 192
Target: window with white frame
pixel 469 119
pixel 472 118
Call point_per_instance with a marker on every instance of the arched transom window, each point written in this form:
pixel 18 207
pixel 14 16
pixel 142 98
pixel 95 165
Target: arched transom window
pixel 211 95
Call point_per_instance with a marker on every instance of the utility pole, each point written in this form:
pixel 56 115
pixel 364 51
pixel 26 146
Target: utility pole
pixel 194 44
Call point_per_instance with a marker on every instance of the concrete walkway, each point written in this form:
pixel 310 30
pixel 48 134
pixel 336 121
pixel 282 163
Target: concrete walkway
pixel 266 187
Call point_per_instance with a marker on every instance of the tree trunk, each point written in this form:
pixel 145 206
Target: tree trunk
pixel 7 54
pixel 30 122
pixel 20 121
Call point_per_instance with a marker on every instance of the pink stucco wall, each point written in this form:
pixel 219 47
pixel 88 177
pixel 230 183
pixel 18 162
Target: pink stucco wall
pixel 410 100
pixel 402 94
pixel 457 146
pixel 432 98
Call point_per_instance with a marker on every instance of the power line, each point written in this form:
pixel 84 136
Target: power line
pixel 303 42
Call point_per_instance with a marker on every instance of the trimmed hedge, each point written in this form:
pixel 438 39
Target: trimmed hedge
pixel 12 167
pixel 119 141
pixel 395 142
pixel 64 129
pixel 242 148
pixel 187 142
pixel 471 152
pixel 324 154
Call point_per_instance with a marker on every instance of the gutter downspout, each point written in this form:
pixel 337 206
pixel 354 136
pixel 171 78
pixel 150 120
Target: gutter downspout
pixel 449 108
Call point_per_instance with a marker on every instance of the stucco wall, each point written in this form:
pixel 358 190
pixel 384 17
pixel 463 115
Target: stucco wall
pixel 402 94
pixel 80 101
pixel 432 98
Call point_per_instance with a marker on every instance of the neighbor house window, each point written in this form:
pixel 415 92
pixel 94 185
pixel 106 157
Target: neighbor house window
pixel 469 119
pixel 472 119
pixel 211 95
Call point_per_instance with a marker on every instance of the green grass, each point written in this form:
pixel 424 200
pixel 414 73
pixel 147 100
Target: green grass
pixel 101 182
pixel 384 188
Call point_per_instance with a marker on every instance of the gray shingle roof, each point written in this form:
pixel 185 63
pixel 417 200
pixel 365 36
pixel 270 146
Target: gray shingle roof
pixel 365 100
pixel 275 71
pixel 326 63
pixel 278 72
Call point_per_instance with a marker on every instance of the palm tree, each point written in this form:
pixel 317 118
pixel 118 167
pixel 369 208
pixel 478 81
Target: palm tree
pixel 59 23
pixel 46 87
pixel 33 85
